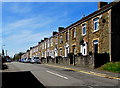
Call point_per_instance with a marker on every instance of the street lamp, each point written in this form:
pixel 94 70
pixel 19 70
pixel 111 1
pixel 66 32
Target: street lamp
pixel 3 50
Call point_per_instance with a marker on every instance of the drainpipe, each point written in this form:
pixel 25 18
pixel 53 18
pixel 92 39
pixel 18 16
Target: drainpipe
pixel 73 60
pixel 110 36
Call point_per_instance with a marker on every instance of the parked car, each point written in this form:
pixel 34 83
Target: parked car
pixel 22 60
pixel 28 60
pixel 35 60
pixel 8 60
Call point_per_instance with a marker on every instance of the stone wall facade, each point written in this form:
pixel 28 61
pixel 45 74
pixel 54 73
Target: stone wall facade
pixel 94 35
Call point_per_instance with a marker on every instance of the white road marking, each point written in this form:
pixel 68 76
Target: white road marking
pixel 57 74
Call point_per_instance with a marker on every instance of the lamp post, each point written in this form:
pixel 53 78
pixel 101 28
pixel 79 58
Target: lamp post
pixel 3 54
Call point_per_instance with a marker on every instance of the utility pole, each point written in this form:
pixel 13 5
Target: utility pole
pixel 3 54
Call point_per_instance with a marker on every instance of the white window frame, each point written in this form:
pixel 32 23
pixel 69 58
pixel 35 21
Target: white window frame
pixel 56 40
pixel 51 41
pixel 96 21
pixel 68 35
pixel 48 43
pixel 74 34
pixel 60 38
pixel 55 52
pixel 84 26
pixel 42 45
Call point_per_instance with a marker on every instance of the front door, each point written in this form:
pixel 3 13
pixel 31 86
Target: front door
pixel 95 43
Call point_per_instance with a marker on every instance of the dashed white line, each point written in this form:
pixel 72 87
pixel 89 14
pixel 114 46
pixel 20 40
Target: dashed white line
pixel 57 74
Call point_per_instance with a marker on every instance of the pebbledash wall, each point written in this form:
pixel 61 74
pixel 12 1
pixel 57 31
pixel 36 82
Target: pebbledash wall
pixel 91 41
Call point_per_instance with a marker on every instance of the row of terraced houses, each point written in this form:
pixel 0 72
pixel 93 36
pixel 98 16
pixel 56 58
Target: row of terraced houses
pixel 98 33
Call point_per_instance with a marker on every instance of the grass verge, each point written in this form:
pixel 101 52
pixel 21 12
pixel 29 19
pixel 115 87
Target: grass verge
pixel 111 66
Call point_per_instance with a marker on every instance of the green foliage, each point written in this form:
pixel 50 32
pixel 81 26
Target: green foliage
pixel 18 56
pixel 81 40
pixel 111 66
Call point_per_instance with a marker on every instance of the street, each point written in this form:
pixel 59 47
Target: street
pixel 48 76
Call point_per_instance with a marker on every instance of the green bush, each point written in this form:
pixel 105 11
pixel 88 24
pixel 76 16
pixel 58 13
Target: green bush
pixel 111 66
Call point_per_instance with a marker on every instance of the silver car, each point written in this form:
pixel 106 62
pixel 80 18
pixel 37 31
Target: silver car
pixel 35 60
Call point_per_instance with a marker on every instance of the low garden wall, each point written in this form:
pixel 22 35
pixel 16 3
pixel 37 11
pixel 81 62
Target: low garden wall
pixel 83 61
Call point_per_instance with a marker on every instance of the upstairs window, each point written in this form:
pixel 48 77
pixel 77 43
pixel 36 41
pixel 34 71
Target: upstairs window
pixel 45 45
pixel 61 39
pixel 74 33
pixel 51 41
pixel 84 29
pixel 56 40
pixel 96 24
pixel 66 36
pixel 48 43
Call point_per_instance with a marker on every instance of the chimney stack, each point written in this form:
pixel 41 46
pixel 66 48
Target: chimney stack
pixel 101 4
pixel 39 43
pixel 60 29
pixel 54 33
pixel 28 50
pixel 45 38
pixel 42 40
pixel 31 48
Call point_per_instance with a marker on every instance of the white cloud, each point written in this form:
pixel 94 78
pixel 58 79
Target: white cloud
pixel 26 36
pixel 20 35
pixel 30 23
pixel 21 41
pixel 19 9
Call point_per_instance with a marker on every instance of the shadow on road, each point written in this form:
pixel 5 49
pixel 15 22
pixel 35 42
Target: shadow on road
pixel 20 80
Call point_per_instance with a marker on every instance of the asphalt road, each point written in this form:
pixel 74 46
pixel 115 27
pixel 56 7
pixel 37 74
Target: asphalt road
pixel 49 76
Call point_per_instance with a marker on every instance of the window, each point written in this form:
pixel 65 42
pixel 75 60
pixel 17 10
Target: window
pixel 66 36
pixel 74 33
pixel 45 45
pixel 61 39
pixel 55 52
pixel 48 43
pixel 84 29
pixel 56 40
pixel 95 24
pixel 51 41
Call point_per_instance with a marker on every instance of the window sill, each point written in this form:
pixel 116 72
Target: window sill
pixel 73 38
pixel 95 31
pixel 83 34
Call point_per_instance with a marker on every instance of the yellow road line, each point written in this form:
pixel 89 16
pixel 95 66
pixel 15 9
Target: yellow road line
pixel 91 73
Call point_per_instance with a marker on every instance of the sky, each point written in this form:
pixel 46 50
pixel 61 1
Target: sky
pixel 24 24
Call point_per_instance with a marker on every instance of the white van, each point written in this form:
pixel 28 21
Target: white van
pixel 35 60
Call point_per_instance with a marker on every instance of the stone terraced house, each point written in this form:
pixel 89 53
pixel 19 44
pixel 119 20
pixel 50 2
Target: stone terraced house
pixel 97 33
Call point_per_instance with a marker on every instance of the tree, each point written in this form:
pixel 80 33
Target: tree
pixel 17 56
